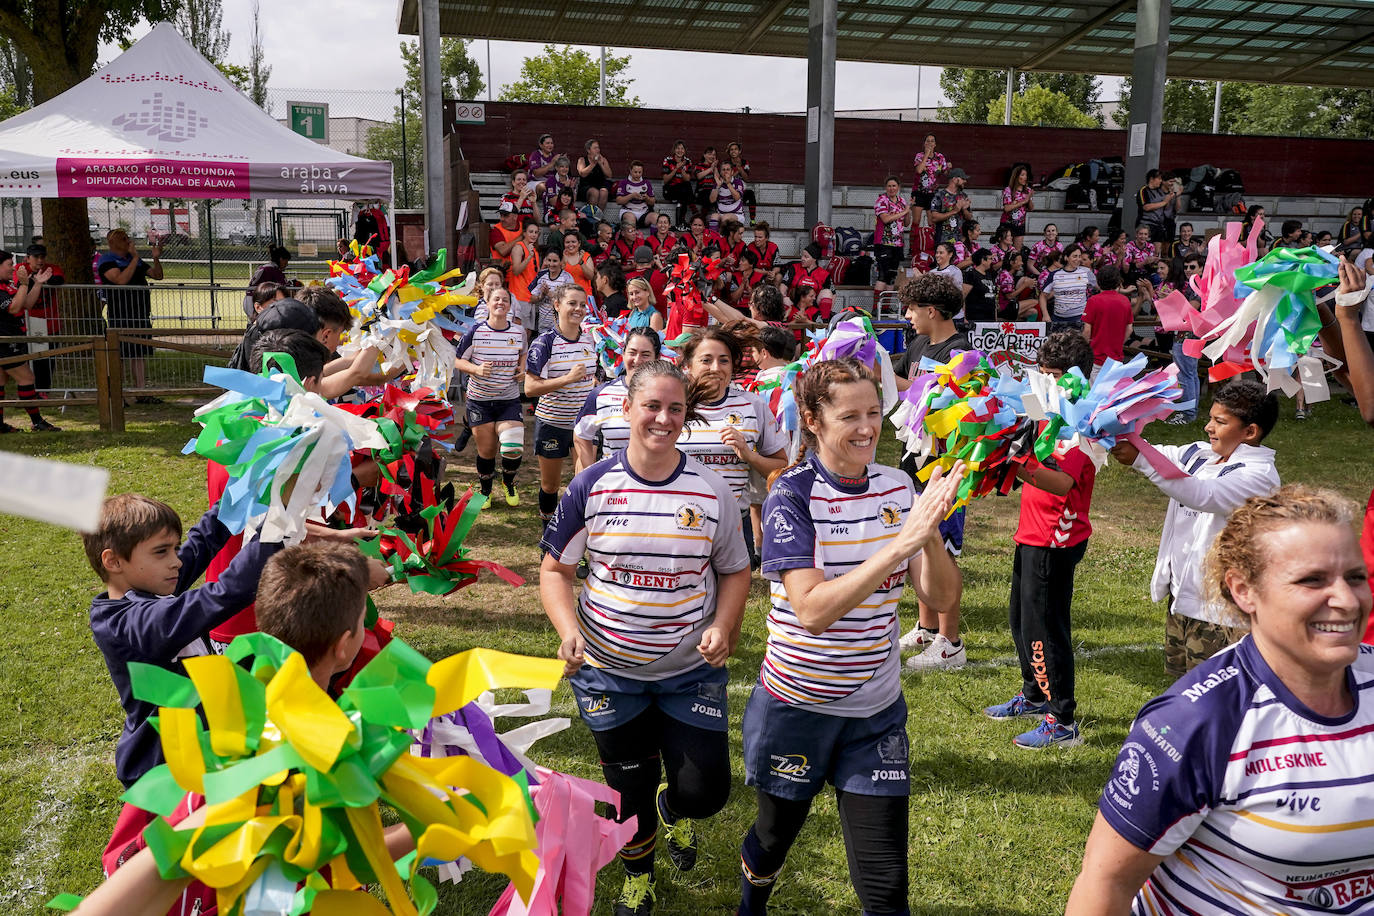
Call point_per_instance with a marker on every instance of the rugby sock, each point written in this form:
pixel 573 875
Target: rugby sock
pixel 508 468
pixel 486 470
pixel 548 502
pixel 637 783
pixel 756 879
pixel 30 393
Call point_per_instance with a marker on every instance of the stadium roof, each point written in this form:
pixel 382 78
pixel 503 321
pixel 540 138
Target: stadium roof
pixel 1327 43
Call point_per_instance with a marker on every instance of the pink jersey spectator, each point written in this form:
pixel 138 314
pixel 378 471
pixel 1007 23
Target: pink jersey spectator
pixel 1137 255
pixel 894 232
pixel 928 176
pixel 1017 216
pixel 1042 250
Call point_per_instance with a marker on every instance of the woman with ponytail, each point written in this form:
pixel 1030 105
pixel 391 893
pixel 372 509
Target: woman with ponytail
pixel 646 641
pixel 841 537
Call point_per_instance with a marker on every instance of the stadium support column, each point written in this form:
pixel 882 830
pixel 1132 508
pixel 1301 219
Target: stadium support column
pixel 432 107
pixel 1148 70
pixel 820 111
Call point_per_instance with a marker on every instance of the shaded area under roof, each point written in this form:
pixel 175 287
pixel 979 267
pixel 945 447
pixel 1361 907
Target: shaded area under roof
pixel 1328 44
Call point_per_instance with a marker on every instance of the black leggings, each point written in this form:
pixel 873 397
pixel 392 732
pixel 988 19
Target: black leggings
pixel 695 760
pixel 875 842
pixel 681 195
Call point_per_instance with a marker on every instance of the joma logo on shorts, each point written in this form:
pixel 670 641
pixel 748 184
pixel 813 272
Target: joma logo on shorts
pixel 706 710
pixel 888 775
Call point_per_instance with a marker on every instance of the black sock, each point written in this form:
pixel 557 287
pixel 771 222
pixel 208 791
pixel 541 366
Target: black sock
pixel 548 502
pixel 486 470
pixel 754 889
pixel 29 393
pixel 508 468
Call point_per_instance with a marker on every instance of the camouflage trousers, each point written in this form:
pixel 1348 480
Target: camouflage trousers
pixel 1189 642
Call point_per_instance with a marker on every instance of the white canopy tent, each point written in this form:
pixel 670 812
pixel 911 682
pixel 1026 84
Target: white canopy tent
pixel 161 121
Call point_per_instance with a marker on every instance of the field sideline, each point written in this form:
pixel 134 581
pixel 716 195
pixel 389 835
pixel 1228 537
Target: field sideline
pixel 994 829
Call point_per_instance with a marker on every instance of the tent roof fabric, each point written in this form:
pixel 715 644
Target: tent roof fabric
pixel 161 121
pixel 1328 43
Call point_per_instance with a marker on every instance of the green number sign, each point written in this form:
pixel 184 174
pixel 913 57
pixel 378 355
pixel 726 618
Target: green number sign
pixel 309 119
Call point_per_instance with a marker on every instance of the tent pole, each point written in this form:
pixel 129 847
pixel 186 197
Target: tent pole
pixel 210 238
pixel 391 218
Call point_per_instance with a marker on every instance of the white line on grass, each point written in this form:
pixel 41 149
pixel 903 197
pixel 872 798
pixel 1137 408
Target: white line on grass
pixel 27 881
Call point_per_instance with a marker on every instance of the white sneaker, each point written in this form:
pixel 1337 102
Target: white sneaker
pixel 916 637
pixel 939 654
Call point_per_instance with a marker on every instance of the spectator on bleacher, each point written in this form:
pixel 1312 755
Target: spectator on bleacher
pixel 602 246
pixel 566 225
pixel 1181 270
pixel 627 239
pixel 677 183
pixel 524 268
pixel 1003 244
pixel 727 197
pixel 1142 256
pixel 643 306
pixel 1070 289
pixel 505 233
pixel 892 212
pixel 980 288
pixel 558 183
pixel 1054 262
pixel 640 265
pixel 663 239
pixel 950 207
pixel 1113 254
pixel 946 266
pixel 521 194
pixel 635 194
pixel 1156 202
pixel 807 273
pixel 1290 234
pixel 578 263
pixel 707 174
pixel 970 240
pixel 1090 241
pixel 748 276
pixel 698 237
pixel 1255 212
pixel 1016 291
pixel 731 242
pixel 1184 243
pixel 129 304
pixel 560 215
pixel 1322 239
pixel 724 285
pixel 930 165
pixel 1041 250
pixel 543 160
pixel 734 154
pixel 1018 199
pixel 1350 229
pixel 762 246
pixel 610 289
pixel 593 175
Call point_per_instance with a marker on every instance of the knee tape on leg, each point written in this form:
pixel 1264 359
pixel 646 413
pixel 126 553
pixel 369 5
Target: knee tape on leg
pixel 512 442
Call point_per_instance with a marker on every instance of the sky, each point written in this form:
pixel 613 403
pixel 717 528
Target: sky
pixel 304 54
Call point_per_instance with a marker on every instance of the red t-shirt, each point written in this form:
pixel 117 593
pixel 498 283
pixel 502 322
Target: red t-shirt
pixel 767 254
pixel 1059 521
pixel 245 621
pixel 1109 313
pixel 127 841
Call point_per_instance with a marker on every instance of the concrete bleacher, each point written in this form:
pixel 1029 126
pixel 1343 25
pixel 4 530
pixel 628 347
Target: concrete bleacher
pixel 782 207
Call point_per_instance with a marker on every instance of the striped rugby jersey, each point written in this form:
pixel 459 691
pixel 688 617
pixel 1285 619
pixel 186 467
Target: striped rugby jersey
pixel 746 412
pixel 602 418
pixel 499 349
pixel 1260 805
pixel 655 550
pixel 552 355
pixel 814 521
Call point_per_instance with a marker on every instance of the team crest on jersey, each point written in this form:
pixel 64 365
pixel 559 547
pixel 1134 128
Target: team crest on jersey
pixel 782 528
pixel 1130 775
pixel 690 517
pixel 733 419
pixel 890 514
pixel 596 704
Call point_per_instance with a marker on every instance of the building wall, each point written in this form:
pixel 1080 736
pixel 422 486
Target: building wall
pixel 867 150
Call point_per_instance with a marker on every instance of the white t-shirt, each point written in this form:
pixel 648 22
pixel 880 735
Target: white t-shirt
pixel 1070 289
pixel 956 276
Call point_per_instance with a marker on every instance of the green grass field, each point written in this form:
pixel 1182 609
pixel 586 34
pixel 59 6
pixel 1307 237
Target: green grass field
pixel 994 829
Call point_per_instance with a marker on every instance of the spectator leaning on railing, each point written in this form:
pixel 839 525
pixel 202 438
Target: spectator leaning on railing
pixel 16 295
pixel 129 304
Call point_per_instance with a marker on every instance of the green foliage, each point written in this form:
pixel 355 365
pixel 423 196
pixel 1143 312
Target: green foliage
pixel 16 81
pixel 1040 107
pixel 972 93
pixel 562 76
pixel 461 74
pixel 1249 108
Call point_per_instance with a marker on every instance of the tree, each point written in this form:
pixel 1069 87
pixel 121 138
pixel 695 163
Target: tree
pixel 1262 109
pixel 1188 105
pixel 258 74
pixel 562 76
pixel 461 78
pixel 1041 107
pixel 16 96
pixel 61 42
pixel 973 91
